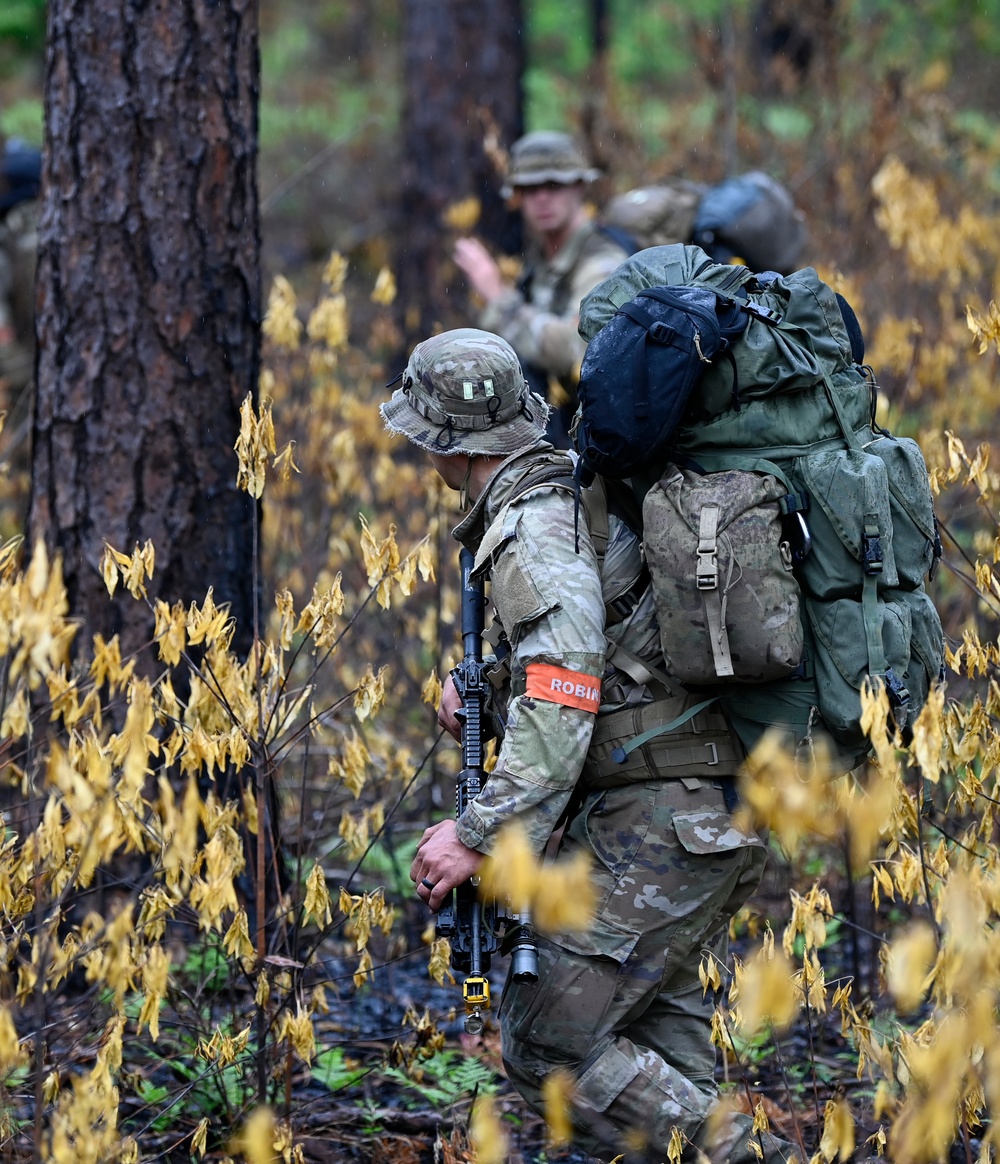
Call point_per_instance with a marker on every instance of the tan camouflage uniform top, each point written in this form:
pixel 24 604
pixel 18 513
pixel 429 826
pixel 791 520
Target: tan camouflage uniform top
pixel 541 327
pixel 551 603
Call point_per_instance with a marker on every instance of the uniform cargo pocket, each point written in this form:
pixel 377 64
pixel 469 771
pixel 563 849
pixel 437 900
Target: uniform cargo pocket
pixel 850 521
pixel 615 825
pixel 912 508
pixel 603 939
pixel 705 833
pixel 842 657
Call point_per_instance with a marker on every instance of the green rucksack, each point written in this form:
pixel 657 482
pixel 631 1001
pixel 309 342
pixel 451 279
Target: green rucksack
pixel 789 536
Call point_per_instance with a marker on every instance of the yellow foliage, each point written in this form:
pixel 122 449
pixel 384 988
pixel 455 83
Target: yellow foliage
pixel 837 1142
pixel 910 959
pixel 256 1140
pixel 486 1133
pixel 317 905
pixel 559 895
pixel 384 291
pixel 557 1094
pixel 462 216
pixel 766 991
pixel 281 323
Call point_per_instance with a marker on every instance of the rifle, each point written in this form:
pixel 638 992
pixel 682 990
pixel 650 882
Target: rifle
pixel 471 926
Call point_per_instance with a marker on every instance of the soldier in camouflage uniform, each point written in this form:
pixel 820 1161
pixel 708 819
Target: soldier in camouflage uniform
pixel 620 1005
pixel 569 255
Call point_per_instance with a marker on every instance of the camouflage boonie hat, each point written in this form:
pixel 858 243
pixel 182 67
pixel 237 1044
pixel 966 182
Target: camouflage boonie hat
pixel 546 156
pixel 464 392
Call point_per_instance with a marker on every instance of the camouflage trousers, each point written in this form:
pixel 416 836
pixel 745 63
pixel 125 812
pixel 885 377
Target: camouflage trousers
pixel 621 1005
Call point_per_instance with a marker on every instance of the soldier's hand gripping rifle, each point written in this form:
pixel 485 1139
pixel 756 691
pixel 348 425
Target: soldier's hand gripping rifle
pixel 471 926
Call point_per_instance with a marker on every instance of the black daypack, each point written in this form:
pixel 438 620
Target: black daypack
pixel 640 370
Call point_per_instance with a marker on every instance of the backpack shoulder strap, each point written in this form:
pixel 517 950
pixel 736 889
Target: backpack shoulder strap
pixel 553 472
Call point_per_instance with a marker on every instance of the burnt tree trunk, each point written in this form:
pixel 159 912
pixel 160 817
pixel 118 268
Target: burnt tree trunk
pixel 463 106
pixel 148 300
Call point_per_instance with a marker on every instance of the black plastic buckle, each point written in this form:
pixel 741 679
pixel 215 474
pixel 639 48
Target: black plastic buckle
pixel 899 697
pixel 759 311
pixel 871 546
pixel 661 333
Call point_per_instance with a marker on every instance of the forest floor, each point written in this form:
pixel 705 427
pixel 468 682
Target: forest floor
pixel 359 1102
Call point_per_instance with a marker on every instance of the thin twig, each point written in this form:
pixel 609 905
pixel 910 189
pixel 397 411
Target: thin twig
pixel 923 862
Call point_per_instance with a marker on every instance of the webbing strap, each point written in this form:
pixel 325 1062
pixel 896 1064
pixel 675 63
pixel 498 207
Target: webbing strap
pixel 850 435
pixel 619 754
pixel 707 568
pixel 873 628
pixel 871 571
pixel 638 670
pixel 714 596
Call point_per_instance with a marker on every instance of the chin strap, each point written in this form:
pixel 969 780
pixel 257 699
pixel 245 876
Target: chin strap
pixel 464 501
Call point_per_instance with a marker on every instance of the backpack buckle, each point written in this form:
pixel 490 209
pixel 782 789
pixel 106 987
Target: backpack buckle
pixel 759 311
pixel 871 546
pixel 661 333
pixel 707 569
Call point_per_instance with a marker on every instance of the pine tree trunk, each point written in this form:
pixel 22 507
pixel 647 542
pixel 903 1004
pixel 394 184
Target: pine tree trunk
pixel 463 66
pixel 148 300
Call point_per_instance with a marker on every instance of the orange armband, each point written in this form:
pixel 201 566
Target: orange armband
pixel 560 685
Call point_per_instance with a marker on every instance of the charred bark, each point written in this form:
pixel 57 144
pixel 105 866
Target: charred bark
pixel 463 106
pixel 147 300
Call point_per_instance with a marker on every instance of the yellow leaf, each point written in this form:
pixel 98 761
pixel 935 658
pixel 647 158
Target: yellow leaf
pixel 50 1087
pixel 317 904
pixel 879 1141
pixel 109 570
pixel 335 272
pixel 11 1053
pixel 384 291
pixel 365 969
pixel 838 1131
pixel 199 1138
pixel 281 324
pixel 298 1030
pixel 708 974
pixel 486 1133
pixel 928 735
pixel 462 216
pixel 511 871
pixel 256 1141
pixel 910 959
pixel 675 1146
pixel 284 462
pixel 432 689
pixel 564 897
pixel 439 963
pixel 557 1089
pixel 767 992
pixel 370 694
pixel 328 322
pixel 236 942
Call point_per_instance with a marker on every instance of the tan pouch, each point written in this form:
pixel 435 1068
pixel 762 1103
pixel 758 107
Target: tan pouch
pixel 726 599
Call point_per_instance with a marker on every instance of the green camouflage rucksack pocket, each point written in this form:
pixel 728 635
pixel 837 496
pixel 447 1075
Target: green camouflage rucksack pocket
pixel 727 601
pixel 871 520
